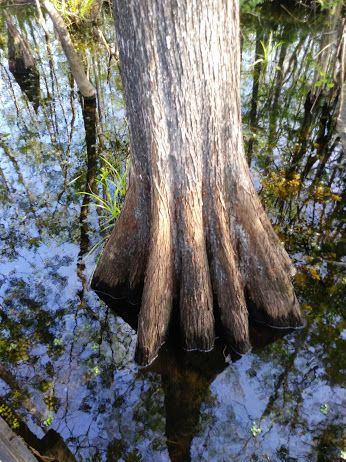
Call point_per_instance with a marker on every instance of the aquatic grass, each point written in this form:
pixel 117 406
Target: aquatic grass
pixel 113 186
pixel 268 50
pixel 108 197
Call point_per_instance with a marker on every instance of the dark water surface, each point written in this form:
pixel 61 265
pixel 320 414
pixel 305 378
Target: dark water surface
pixel 67 360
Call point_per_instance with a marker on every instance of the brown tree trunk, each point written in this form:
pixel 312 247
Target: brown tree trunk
pixel 192 228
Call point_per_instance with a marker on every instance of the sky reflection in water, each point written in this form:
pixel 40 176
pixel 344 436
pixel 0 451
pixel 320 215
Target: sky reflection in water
pixel 66 359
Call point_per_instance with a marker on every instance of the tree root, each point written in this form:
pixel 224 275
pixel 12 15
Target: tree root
pixel 157 300
pixel 122 265
pixel 237 262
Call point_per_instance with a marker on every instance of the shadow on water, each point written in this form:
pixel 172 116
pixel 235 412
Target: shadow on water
pixel 22 64
pixel 66 359
pixel 186 377
pixel 90 125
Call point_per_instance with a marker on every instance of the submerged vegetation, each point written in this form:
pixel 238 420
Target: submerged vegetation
pixel 66 359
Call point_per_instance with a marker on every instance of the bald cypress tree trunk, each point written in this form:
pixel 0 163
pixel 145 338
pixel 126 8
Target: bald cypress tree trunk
pixel 192 229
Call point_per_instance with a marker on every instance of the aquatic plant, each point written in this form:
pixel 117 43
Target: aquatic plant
pixel 76 11
pixel 8 415
pixel 268 51
pixel 113 185
pixel 324 408
pixel 108 196
pixel 255 429
pixel 49 400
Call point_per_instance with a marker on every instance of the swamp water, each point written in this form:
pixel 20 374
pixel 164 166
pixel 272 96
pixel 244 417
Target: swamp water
pixel 66 359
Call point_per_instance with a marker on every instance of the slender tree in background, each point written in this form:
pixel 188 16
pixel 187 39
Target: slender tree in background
pixel 76 65
pixel 192 229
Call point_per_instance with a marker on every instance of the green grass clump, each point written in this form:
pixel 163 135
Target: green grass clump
pixel 113 186
pixel 108 197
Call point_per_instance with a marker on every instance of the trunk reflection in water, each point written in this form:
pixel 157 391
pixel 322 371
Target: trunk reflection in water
pixel 22 64
pixel 66 358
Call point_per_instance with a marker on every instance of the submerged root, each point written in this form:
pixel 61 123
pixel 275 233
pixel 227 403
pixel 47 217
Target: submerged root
pixel 196 297
pixel 267 272
pixel 228 287
pixel 157 300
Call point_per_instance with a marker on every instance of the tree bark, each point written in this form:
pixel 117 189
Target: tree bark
pixel 192 228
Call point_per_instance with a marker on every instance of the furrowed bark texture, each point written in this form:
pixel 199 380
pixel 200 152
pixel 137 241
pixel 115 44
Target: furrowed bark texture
pixel 193 228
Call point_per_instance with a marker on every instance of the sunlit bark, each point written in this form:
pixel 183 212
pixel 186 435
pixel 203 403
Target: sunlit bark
pixel 192 229
pixel 76 65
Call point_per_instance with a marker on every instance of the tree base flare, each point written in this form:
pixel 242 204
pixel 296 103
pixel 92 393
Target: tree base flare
pixel 226 271
pixel 193 230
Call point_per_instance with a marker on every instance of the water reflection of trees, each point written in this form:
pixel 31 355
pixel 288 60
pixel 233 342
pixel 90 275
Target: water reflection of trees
pixel 299 155
pixel 66 357
pixel 300 163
